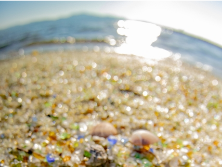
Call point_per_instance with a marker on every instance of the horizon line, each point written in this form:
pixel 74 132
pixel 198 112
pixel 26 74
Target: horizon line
pixel 114 16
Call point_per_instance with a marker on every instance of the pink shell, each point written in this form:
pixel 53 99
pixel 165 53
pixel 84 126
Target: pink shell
pixel 143 137
pixel 104 129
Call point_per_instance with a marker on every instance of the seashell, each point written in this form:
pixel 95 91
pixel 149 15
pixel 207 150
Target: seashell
pixel 143 137
pixel 104 129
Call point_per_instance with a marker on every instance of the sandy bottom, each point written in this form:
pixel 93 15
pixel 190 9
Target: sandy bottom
pixel 50 102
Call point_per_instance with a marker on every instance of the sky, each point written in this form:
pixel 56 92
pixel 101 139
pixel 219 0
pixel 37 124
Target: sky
pixel 203 19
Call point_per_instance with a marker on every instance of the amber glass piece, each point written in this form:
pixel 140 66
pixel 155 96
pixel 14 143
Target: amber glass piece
pixel 66 158
pixel 189 154
pixel 52 135
pixel 215 142
pixel 38 156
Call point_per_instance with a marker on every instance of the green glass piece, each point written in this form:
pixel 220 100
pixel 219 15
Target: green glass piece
pixel 54 118
pixel 44 144
pixel 17 165
pixel 13 94
pixel 137 155
pixel 59 149
pixel 146 163
pixel 65 136
pixel 164 144
pixel 17 74
pixel 87 154
pixel 20 158
pixel 47 104
pixel 212 105
pixel 75 127
pixel 76 144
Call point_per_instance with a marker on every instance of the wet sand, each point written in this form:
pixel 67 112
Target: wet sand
pixel 49 103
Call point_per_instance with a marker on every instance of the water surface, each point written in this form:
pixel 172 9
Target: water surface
pixel 88 31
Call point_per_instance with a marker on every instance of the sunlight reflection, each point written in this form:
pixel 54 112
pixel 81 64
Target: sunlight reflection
pixel 139 37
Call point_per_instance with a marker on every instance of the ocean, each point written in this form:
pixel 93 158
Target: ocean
pixel 107 33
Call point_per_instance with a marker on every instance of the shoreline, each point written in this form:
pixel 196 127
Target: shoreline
pixel 164 62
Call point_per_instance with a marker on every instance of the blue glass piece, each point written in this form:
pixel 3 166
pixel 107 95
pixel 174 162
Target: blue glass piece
pixel 34 119
pixel 124 140
pixel 151 150
pixel 50 158
pixel 2 136
pixel 54 96
pixel 112 141
pixel 80 137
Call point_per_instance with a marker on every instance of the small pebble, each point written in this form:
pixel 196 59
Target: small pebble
pixel 112 140
pixel 50 158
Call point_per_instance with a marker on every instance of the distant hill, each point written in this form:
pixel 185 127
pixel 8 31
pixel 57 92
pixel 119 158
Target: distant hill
pixel 73 18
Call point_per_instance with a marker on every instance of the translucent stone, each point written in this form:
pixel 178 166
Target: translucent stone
pixel 19 100
pixel 157 78
pixel 76 159
pixel 145 93
pixel 82 127
pixel 186 120
pixel 94 65
pixel 214 82
pixel 195 135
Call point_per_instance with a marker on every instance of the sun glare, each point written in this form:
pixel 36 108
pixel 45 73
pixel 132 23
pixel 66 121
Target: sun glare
pixel 139 37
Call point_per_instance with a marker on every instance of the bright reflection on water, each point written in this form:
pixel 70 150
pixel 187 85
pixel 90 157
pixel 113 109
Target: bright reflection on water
pixel 139 37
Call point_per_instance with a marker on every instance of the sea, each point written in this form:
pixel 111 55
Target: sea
pixel 110 34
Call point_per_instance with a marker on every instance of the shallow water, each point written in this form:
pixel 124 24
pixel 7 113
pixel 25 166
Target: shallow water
pixel 101 30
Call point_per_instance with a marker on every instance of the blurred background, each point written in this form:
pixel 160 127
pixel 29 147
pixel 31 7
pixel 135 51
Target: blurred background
pixel 155 30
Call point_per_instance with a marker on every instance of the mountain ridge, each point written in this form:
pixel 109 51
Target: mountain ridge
pixel 76 17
